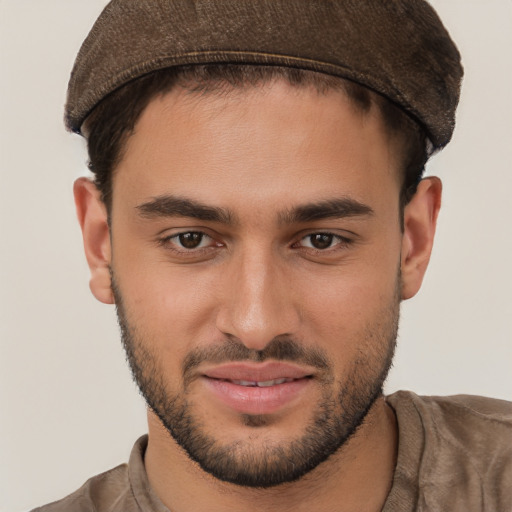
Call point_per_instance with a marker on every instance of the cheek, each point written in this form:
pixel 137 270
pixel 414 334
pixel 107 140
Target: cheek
pixel 354 308
pixel 172 306
pixel 350 304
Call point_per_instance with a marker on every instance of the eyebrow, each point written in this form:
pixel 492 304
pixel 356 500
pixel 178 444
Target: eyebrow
pixel 174 206
pixel 329 209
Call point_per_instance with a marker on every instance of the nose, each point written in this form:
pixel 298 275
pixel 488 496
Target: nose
pixel 258 304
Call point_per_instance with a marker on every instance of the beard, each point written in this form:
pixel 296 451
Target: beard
pixel 343 406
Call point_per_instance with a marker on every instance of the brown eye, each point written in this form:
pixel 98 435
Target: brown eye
pixel 191 240
pixel 193 244
pixel 321 240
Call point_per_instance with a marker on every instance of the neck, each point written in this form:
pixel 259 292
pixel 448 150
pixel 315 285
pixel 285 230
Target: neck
pixel 357 477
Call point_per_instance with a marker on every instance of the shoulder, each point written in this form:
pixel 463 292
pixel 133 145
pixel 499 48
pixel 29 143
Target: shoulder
pixel 101 493
pixel 474 424
pixel 460 445
pixel 474 415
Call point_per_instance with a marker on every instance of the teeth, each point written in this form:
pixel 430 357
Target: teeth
pixel 245 383
pixel 268 383
pixel 261 384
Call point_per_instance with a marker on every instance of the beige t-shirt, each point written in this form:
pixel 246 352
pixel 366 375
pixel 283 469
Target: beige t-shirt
pixel 454 454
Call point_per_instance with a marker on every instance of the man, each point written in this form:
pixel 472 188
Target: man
pixel 257 216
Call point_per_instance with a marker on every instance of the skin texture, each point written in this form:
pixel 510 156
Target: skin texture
pixel 260 155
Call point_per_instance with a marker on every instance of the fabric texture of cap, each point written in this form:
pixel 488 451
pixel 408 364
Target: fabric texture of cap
pixel 398 48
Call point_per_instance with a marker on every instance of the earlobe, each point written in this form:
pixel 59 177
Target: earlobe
pixel 93 219
pixel 420 218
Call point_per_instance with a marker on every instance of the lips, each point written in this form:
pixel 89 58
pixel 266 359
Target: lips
pixel 261 384
pixel 257 372
pixel 257 388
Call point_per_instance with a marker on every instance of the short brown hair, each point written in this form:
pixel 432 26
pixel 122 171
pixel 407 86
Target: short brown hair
pixel 113 120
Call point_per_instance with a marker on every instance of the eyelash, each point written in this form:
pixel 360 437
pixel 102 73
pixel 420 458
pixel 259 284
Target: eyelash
pixel 341 242
pixel 168 243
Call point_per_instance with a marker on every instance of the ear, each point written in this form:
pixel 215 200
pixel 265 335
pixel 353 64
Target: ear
pixel 92 216
pixel 420 218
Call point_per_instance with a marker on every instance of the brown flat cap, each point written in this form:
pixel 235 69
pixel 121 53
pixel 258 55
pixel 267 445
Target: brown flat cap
pixel 398 48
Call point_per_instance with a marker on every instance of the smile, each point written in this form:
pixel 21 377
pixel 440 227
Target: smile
pixel 257 388
pixel 261 384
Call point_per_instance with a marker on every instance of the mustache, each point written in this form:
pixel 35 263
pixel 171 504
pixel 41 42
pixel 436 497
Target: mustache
pixel 280 348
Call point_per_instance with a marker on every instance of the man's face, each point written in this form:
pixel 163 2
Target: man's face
pixel 256 262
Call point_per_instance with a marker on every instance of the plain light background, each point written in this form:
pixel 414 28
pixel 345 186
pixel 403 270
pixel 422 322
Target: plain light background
pixel 68 407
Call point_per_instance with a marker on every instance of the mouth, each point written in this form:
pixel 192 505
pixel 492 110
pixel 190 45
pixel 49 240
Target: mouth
pixel 261 384
pixel 258 374
pixel 257 388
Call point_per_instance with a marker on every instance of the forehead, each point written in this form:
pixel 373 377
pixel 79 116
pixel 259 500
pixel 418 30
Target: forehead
pixel 257 142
